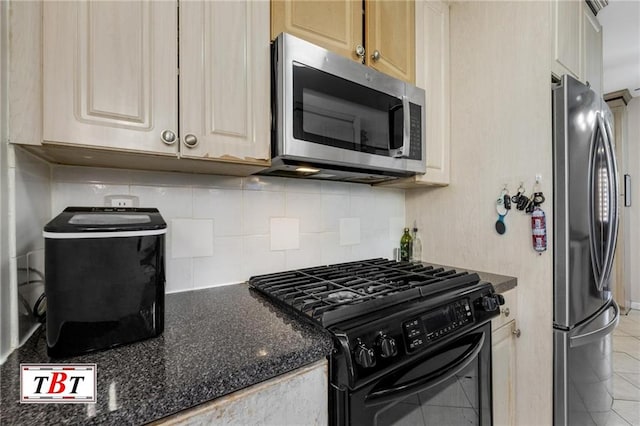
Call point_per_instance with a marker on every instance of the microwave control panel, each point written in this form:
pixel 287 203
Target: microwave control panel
pixel 415 131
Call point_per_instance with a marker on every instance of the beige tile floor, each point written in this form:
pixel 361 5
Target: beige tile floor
pixel 626 368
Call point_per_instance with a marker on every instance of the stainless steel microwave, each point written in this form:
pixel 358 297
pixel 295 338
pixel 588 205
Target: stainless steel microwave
pixel 333 118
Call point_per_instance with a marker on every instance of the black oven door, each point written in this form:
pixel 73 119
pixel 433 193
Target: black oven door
pixel 451 386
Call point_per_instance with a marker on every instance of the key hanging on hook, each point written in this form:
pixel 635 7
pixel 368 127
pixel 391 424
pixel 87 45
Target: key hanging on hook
pixel 502 210
pixel 538 197
pixel 506 197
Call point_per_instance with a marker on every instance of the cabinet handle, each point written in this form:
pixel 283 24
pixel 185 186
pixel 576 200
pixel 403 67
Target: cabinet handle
pixel 191 140
pixel 376 55
pixel 506 312
pixel 360 52
pixel 516 332
pixel 168 137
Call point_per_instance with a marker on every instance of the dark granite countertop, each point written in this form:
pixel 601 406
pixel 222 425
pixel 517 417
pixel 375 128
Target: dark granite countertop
pixel 501 283
pixel 216 341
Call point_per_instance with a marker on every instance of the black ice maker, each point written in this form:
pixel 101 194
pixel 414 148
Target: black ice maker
pixel 104 278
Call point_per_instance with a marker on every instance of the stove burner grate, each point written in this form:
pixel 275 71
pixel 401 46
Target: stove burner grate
pixel 334 293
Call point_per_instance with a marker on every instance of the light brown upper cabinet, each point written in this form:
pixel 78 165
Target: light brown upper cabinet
pixel 111 72
pixel 334 25
pixel 390 37
pixel 382 35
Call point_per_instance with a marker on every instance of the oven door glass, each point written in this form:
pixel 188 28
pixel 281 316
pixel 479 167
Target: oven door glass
pixel 336 112
pixel 449 387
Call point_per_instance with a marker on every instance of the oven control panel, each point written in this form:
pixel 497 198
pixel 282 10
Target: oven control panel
pixel 436 324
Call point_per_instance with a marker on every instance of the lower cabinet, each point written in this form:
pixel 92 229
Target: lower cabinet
pixel 503 348
pixel 295 398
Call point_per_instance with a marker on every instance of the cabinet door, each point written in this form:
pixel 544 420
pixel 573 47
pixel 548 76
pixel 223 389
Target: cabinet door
pixel 592 50
pixel 110 74
pixel 432 74
pixel 334 25
pixel 566 21
pixel 390 37
pixel 503 374
pixel 508 311
pixel 225 80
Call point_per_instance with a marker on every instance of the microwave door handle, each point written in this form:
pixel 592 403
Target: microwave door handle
pixel 429 381
pixel 403 151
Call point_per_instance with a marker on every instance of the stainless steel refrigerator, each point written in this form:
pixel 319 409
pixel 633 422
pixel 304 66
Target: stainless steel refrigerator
pixel 585 225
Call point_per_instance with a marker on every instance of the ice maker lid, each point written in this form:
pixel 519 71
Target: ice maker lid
pixel 106 220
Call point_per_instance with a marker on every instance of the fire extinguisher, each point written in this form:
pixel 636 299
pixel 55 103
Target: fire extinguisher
pixel 539 230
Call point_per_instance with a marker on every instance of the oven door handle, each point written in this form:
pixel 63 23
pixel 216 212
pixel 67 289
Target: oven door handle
pixel 429 381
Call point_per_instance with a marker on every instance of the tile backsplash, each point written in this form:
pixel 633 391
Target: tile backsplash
pixel 223 230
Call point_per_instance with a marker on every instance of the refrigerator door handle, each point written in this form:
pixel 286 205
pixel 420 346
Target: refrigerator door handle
pixel 596 256
pixel 612 231
pixel 594 335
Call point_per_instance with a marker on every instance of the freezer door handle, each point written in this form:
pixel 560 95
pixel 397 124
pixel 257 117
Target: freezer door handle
pixel 594 335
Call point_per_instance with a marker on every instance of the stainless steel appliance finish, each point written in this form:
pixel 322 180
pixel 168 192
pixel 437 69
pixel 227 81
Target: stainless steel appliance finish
pixel 585 231
pixel 342 118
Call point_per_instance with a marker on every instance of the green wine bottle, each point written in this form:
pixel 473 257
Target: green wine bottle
pixel 405 246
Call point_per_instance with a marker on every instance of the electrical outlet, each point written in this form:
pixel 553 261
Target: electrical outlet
pixel 121 201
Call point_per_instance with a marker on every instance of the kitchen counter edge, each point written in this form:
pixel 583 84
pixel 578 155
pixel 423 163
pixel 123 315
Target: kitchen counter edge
pixel 216 341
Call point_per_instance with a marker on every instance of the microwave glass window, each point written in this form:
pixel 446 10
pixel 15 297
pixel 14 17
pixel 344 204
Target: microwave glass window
pixel 331 111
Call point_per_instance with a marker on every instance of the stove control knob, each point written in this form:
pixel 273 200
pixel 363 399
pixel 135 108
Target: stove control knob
pixel 364 356
pixel 492 303
pixel 387 346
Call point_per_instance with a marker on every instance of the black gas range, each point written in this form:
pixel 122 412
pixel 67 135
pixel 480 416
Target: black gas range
pixel 412 340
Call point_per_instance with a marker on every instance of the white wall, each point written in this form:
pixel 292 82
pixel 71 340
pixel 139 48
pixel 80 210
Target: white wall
pixel 500 133
pixel 633 164
pixel 225 229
